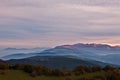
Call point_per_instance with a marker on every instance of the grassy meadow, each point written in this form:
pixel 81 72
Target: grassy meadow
pixel 20 75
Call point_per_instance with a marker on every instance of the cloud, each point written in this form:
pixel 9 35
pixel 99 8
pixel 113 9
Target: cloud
pixel 52 22
pixel 45 3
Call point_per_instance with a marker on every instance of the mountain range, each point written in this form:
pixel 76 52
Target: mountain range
pixel 88 53
pixel 19 53
pixel 99 52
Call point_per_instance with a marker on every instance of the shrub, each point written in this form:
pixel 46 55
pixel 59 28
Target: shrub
pixel 33 74
pixel 57 72
pixel 41 70
pixel 18 67
pixel 108 68
pixel 96 68
pixel 28 68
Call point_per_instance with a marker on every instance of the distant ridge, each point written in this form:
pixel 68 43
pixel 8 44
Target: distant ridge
pixel 11 48
pixel 91 45
pixel 99 52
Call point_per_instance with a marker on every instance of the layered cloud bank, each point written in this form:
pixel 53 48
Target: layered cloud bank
pixel 53 22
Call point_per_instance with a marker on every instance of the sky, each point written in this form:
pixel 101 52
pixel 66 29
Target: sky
pixel 46 23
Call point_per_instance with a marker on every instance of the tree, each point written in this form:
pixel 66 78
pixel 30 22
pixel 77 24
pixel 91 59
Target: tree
pixel 96 68
pixel 57 72
pixel 108 68
pixel 28 68
pixel 18 66
pixel 81 70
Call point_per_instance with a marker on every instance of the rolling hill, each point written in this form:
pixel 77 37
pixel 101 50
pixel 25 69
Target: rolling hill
pixel 56 62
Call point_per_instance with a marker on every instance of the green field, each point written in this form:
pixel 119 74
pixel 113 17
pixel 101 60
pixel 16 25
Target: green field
pixel 20 75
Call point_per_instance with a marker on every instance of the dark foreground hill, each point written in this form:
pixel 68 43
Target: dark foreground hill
pixel 57 61
pixel 2 62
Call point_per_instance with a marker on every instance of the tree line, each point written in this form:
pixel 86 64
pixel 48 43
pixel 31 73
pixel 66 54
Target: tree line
pixel 112 73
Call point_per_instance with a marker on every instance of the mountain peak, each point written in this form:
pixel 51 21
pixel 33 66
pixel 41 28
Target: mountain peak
pixel 91 45
pixel 65 46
